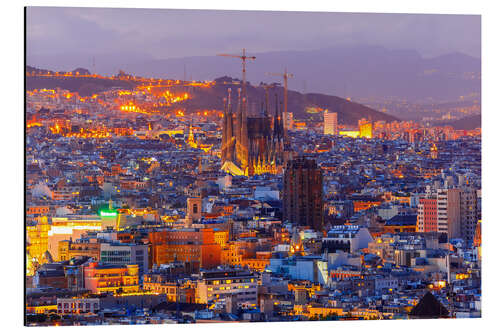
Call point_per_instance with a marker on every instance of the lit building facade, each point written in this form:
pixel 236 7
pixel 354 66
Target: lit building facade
pixel 100 278
pixel 70 227
pixel 221 284
pixel 37 242
pixel 365 128
pixel 69 249
pixel 427 215
pixel 330 123
pixel 185 245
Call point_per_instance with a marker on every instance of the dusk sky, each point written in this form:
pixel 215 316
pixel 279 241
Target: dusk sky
pixel 162 33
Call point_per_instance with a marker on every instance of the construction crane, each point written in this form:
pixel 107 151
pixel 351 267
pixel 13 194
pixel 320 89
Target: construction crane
pixel 266 89
pixel 243 58
pixel 285 77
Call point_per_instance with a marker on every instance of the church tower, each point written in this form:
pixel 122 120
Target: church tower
pixel 251 144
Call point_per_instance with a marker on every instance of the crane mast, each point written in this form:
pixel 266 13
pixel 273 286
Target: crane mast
pixel 243 58
pixel 285 77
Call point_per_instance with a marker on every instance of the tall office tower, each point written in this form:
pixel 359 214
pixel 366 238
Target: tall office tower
pixel 303 193
pixel 252 145
pixel 330 123
pixel 448 212
pixel 468 214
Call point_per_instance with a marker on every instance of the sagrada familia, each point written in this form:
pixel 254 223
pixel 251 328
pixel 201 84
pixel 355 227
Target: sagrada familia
pixel 252 145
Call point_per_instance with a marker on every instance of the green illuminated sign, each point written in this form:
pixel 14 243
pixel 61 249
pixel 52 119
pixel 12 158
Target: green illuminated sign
pixel 108 213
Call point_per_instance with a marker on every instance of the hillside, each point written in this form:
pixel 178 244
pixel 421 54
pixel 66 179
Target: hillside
pixel 85 86
pixel 348 112
pixel 212 98
pixel 466 123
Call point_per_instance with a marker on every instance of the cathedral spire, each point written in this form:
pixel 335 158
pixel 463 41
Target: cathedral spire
pixel 238 118
pixel 223 146
pixel 230 126
pixel 277 121
pixel 244 135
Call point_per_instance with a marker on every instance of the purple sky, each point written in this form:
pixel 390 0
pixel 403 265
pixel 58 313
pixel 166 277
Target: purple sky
pixel 138 34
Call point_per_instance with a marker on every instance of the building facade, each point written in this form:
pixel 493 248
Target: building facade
pixel 303 193
pixel 77 305
pixel 330 123
pixel 427 215
pixel 185 245
pixel 111 278
pixel 125 254
pixel 221 284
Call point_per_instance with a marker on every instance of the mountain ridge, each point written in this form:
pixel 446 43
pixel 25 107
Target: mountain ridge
pixel 212 97
pixel 359 71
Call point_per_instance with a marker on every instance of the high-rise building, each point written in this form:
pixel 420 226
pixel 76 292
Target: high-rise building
pixel 330 123
pixel 252 145
pixel 448 212
pixel 303 193
pixel 468 214
pixel 427 215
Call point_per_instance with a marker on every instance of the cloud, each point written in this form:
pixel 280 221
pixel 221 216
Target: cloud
pixel 162 33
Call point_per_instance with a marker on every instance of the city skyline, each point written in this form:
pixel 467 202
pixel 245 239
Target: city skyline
pixel 155 199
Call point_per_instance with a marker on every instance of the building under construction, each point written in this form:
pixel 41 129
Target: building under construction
pixel 252 145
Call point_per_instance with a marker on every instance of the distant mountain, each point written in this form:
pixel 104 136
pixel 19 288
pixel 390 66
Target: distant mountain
pixel 358 72
pixel 303 106
pixel 466 123
pixel 102 63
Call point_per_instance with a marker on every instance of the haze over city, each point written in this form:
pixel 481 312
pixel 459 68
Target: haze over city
pixel 384 49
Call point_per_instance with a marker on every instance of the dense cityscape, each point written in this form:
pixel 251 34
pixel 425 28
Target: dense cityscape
pixel 140 211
